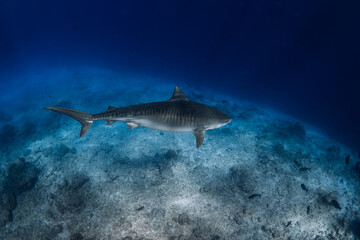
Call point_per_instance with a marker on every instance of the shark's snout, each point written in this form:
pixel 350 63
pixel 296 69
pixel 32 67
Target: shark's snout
pixel 226 119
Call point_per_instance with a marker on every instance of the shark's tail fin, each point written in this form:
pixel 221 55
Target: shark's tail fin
pixel 86 119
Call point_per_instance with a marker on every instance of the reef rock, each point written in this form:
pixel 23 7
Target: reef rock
pixel 5 217
pixel 8 201
pixel 242 179
pixel 78 181
pixel 21 176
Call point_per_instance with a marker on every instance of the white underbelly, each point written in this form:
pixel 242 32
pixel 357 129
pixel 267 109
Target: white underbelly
pixel 147 123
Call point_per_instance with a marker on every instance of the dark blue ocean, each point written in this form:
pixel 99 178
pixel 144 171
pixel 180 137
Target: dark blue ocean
pixel 286 167
pixel 301 57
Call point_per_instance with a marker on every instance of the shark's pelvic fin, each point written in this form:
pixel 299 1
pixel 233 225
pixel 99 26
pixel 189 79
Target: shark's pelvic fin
pixel 178 95
pixel 199 135
pixel 132 125
pixel 86 119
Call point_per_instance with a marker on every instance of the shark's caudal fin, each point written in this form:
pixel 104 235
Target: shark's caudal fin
pixel 86 119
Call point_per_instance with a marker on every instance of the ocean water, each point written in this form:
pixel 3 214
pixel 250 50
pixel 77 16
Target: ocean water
pixel 286 167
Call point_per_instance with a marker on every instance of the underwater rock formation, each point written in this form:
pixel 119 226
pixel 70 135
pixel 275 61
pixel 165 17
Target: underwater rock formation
pixel 242 179
pixel 21 177
pixel 69 196
pixel 5 216
pixel 333 153
pixel 8 201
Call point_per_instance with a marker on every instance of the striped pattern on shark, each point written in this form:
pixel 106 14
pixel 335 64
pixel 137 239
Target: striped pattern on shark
pixel 178 114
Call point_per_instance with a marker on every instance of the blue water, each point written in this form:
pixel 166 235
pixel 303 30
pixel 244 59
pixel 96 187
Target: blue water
pixel 287 72
pixel 299 57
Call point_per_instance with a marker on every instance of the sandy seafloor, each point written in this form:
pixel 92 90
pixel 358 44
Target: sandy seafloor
pixel 245 182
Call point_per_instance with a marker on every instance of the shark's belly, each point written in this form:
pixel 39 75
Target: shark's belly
pixel 163 126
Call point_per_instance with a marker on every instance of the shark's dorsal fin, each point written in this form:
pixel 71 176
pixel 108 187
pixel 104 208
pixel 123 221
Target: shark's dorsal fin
pixel 178 95
pixel 199 135
pixel 110 108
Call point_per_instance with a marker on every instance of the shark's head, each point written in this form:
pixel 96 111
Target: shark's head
pixel 207 117
pixel 218 119
pixel 224 119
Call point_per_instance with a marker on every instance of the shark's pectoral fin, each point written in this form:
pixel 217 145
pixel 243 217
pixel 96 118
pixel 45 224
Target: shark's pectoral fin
pixel 110 122
pixel 132 125
pixel 199 135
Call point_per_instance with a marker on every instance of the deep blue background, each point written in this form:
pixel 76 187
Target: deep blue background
pixel 301 57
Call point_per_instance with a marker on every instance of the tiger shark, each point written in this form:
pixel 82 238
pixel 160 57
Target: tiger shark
pixel 178 114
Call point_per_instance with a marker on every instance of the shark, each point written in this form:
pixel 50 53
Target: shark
pixel 178 114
